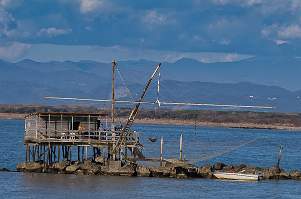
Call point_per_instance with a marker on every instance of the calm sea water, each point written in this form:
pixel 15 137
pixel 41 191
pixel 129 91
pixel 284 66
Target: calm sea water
pixel 201 146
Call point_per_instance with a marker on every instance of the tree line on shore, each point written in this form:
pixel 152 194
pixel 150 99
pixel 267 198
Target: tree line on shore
pixel 264 118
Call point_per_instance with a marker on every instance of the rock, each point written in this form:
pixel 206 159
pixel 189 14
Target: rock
pixel 30 167
pixel 4 169
pixel 143 171
pixel 100 160
pixel 229 168
pixel 72 168
pixel 79 172
pixel 275 170
pixel 160 172
pixel 181 176
pixel 240 167
pixel 115 169
pixel 284 176
pixel 296 175
pixel 90 168
pixel 205 171
pixel 271 173
pixel 219 166
pixel 61 166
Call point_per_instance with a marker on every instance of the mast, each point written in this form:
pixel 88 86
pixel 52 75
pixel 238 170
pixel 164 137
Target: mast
pixel 113 111
pixel 134 112
pixel 113 95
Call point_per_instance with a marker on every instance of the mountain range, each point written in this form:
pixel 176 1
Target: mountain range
pixel 272 81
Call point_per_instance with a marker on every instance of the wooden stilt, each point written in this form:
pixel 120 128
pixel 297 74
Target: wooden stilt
pixel 78 153
pixel 58 153
pixel 26 153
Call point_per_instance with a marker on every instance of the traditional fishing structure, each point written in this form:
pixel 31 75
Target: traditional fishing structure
pixel 51 138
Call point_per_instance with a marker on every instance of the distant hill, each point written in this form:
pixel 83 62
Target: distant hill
pixel 185 80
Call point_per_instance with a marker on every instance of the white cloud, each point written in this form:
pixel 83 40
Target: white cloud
pixel 280 42
pixel 52 52
pixel 87 6
pixel 280 34
pixel 7 23
pixel 13 51
pixel 290 32
pixel 153 17
pixel 53 32
pixel 240 2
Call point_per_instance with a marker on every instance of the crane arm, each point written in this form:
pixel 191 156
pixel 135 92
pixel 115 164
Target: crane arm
pixel 134 112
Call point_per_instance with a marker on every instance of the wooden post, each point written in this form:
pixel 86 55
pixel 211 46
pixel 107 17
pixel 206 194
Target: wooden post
pixel 34 153
pixel 86 152
pixel 82 155
pixel 89 125
pixel 49 129
pixel 181 147
pixel 44 153
pixel 37 127
pixel 161 151
pixel 78 153
pixel 58 153
pixel 70 152
pixel 26 153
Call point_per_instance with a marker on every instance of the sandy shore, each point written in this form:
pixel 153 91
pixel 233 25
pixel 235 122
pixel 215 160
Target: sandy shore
pixel 12 116
pixel 19 116
pixel 212 124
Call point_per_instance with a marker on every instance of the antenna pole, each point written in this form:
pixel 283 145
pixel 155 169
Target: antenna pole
pixel 113 94
pixel 113 109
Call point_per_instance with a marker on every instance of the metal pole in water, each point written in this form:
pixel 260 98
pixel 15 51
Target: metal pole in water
pixel 181 147
pixel 161 151
pixel 279 156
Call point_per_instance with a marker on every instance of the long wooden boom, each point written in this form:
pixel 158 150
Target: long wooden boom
pixel 134 112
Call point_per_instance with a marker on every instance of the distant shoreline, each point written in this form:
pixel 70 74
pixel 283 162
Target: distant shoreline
pixel 20 116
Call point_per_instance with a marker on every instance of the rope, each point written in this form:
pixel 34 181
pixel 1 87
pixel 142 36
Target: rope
pixel 124 84
pixel 224 152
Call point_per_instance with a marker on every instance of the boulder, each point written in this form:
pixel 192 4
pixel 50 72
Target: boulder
pixel 284 176
pixel 90 168
pixel 72 168
pixel 296 175
pixel 160 172
pixel 60 166
pixel 30 167
pixel 219 166
pixel 205 171
pixel 100 160
pixel 143 171
pixel 79 172
pixel 4 169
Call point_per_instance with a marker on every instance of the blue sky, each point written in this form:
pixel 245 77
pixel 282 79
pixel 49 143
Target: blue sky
pixel 207 30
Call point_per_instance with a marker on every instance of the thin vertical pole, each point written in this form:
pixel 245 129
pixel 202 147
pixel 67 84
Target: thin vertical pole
pixel 161 151
pixel 48 130
pixel 89 125
pixel 113 93
pixel 113 107
pixel 78 153
pixel 58 153
pixel 86 152
pixel 181 147
pixel 72 124
pixel 61 125
pixel 26 158
pixel 36 128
